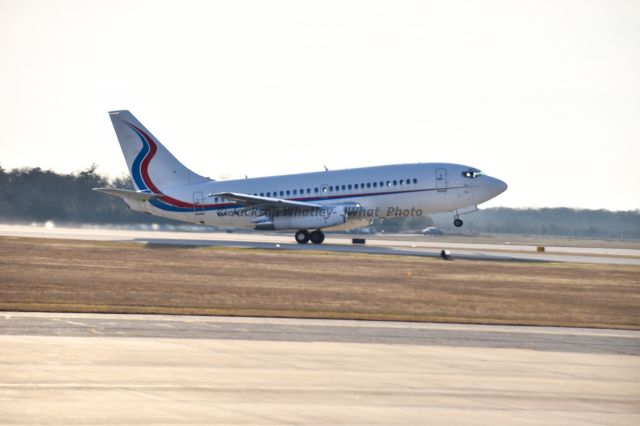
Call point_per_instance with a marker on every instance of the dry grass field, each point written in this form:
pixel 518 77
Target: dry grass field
pixel 89 276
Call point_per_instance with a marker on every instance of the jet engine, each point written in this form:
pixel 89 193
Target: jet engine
pixel 303 219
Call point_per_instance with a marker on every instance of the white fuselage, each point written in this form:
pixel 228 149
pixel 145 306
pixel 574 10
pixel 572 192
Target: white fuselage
pixel 383 191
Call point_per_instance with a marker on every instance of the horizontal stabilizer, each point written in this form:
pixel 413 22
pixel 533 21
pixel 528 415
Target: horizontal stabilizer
pixel 132 195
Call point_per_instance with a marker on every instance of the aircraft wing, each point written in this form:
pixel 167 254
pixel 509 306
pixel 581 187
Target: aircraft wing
pixel 256 201
pixel 132 195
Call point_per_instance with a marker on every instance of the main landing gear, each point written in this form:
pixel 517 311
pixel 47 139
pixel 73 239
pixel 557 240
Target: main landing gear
pixel 303 236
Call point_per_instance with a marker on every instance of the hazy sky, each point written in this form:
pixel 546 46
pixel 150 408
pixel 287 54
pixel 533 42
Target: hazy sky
pixel 542 94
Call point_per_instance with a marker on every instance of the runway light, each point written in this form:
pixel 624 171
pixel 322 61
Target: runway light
pixel 278 245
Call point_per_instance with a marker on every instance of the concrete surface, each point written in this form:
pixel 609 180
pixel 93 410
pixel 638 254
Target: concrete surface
pixel 207 370
pixel 494 252
pixel 556 339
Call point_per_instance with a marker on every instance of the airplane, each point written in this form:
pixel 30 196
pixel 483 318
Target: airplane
pixel 306 203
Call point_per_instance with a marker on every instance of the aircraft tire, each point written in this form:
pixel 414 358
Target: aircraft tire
pixel 302 236
pixel 317 236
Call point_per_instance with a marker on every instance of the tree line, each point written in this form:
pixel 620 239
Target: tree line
pixel 566 222
pixel 36 195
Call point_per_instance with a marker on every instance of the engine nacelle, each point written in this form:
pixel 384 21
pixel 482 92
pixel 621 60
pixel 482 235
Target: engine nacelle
pixel 304 219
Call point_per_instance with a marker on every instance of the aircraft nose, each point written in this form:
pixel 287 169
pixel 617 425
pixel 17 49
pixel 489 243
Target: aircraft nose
pixel 488 188
pixel 497 187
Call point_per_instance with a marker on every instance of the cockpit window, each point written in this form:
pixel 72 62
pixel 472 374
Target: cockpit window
pixel 472 174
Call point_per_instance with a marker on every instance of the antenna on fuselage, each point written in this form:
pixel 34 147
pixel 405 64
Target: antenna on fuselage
pixel 326 169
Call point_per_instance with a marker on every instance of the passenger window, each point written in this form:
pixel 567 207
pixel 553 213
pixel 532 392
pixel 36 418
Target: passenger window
pixel 395 182
pixel 356 186
pixel 415 180
pixel 295 192
pixel 349 186
pixel 282 193
pixel 368 184
pixel 262 194
pixel 331 189
pixel 268 194
pixel 375 184
pixel 288 192
pixel 388 183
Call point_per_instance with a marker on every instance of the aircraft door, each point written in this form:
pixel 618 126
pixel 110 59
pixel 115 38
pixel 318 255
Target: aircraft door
pixel 441 180
pixel 198 203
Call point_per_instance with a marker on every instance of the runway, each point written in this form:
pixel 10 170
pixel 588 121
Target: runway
pixel 557 339
pixel 119 369
pixel 105 369
pixel 341 243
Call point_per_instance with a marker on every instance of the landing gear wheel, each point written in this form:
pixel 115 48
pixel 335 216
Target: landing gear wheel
pixel 317 236
pixel 302 236
pixel 458 222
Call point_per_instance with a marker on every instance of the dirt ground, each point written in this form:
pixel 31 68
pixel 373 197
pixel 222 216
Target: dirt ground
pixel 88 276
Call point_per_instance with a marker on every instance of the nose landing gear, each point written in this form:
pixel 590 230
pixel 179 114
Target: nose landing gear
pixel 457 221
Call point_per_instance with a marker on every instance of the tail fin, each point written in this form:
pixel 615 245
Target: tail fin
pixel 151 165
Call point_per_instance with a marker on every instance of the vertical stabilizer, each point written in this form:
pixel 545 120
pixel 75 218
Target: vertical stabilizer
pixel 152 167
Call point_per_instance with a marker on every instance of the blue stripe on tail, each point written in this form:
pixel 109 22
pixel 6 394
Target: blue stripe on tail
pixel 135 168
